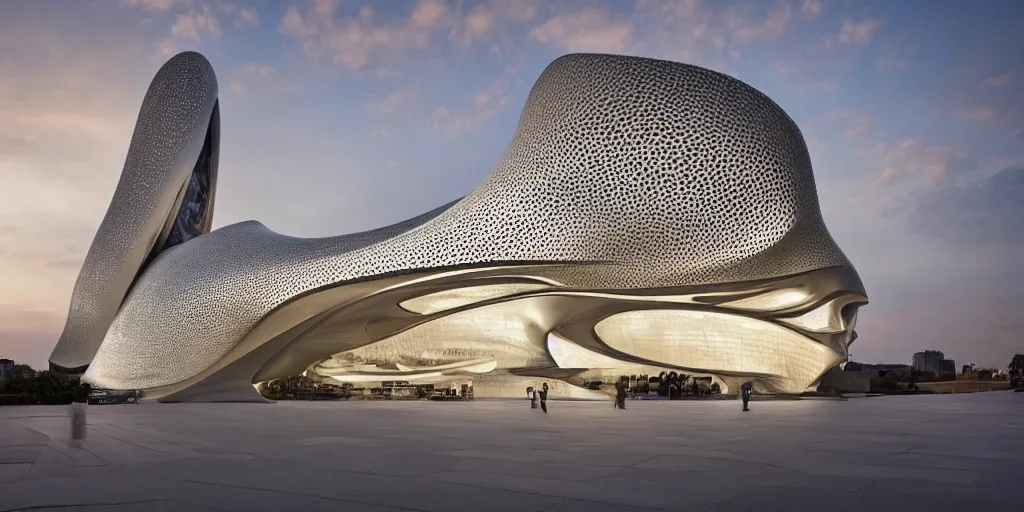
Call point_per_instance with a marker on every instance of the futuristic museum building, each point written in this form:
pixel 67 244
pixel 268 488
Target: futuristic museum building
pixel 647 216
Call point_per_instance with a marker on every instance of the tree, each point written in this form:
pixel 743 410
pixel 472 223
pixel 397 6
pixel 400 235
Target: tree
pixel 1016 366
pixel 45 387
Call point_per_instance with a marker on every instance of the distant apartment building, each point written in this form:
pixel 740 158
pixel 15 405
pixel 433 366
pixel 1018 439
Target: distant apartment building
pixel 947 366
pixel 6 368
pixel 929 361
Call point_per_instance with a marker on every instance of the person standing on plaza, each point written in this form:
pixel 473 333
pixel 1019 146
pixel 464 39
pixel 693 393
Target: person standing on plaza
pixel 620 393
pixel 746 390
pixel 78 414
pixel 544 397
pixel 532 395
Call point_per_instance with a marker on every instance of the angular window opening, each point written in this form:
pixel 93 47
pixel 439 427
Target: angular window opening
pixel 191 218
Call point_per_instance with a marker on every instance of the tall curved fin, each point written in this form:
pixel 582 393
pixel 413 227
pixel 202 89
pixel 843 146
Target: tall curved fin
pixel 165 196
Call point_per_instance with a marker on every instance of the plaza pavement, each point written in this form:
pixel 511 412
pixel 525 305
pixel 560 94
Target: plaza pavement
pixel 936 453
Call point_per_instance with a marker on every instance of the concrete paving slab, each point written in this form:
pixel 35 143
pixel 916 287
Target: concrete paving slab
pixel 20 454
pixel 888 453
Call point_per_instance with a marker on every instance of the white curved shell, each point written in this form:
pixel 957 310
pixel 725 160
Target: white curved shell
pixel 177 114
pixel 625 176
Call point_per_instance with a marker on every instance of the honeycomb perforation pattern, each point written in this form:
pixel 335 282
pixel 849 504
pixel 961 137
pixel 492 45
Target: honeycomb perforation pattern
pixel 174 112
pixel 677 174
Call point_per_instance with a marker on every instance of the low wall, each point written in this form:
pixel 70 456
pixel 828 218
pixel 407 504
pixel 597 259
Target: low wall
pixel 964 386
pixel 846 382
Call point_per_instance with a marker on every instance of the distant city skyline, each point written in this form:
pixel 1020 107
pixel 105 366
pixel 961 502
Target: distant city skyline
pixel 911 111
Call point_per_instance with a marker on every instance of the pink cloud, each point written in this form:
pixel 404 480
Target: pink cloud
pixel 395 102
pixel 490 22
pixel 981 115
pixel 192 25
pixel 745 26
pixel 858 32
pixel 485 104
pixel 856 122
pixel 911 157
pixel 589 30
pixel 890 62
pixel 249 17
pixel 812 8
pixel 154 5
pixel 258 80
pixel 259 69
pixel 477 23
pixel 428 13
pixel 325 8
pixel 250 72
pixel 362 42
pixel 999 80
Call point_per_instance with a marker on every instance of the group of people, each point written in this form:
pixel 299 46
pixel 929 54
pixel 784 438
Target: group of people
pixel 621 393
pixel 540 395
pixel 673 386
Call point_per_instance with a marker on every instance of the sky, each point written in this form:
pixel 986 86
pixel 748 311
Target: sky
pixel 339 116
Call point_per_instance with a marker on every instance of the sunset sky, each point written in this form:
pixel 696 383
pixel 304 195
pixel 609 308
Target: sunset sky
pixel 339 116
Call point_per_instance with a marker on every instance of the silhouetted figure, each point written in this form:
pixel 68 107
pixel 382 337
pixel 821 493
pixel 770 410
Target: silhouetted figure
pixel 78 414
pixel 620 393
pixel 746 390
pixel 696 388
pixel 532 395
pixel 544 397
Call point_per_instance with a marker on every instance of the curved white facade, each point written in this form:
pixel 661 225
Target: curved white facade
pixel 646 215
pixel 176 137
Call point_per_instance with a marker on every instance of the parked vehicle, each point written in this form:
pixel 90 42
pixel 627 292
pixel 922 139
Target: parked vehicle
pixel 114 396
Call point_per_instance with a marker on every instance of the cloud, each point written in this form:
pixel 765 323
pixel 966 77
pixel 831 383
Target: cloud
pixel 251 74
pixel 259 69
pixel 987 211
pixel 193 24
pixel 912 157
pixel 812 8
pixel 359 42
pixel 427 13
pixel 999 80
pixel 984 115
pixel 858 32
pixel 891 62
pixel 249 17
pixel 702 33
pixel 485 104
pixel 783 69
pixel 589 30
pixel 492 20
pixel 357 39
pixel 195 20
pixel 746 26
pixel 155 5
pixel 856 122
pixel 244 16
pixel 381 131
pixel 453 124
pixel 394 103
